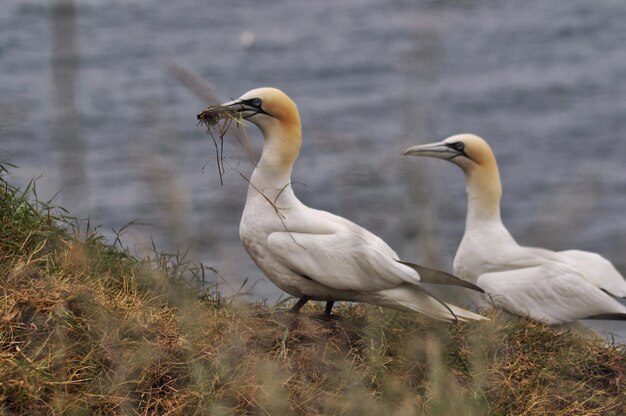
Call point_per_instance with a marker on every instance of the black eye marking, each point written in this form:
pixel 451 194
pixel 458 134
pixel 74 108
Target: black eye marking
pixel 459 147
pixel 254 102
pixel 254 105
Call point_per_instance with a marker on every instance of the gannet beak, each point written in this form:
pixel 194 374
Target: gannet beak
pixel 245 107
pixel 232 103
pixel 440 150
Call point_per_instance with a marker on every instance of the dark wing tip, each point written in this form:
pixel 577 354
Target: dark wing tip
pixel 609 316
pixel 440 277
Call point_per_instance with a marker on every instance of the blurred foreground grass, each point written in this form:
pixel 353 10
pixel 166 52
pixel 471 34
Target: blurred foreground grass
pixel 86 328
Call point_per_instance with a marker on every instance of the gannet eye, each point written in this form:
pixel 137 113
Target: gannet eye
pixel 256 102
pixel 459 146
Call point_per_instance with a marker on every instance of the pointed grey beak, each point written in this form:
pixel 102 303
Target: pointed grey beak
pixel 245 107
pixel 232 103
pixel 235 106
pixel 439 150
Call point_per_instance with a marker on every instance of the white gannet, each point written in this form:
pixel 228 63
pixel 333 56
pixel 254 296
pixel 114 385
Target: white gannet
pixel 555 287
pixel 312 254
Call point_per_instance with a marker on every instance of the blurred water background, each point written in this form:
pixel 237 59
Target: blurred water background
pixel 90 100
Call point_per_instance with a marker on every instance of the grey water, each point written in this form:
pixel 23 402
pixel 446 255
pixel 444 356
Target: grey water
pixel 88 104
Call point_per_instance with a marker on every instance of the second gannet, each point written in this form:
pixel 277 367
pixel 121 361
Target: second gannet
pixel 313 254
pixel 555 287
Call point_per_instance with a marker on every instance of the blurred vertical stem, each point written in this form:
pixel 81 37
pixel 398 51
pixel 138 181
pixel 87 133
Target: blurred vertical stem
pixel 66 129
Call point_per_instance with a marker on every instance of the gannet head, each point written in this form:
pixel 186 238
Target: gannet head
pixel 269 108
pixel 472 154
pixel 276 115
pixel 465 150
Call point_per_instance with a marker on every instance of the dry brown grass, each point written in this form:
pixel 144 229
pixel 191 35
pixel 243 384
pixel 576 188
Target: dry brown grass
pixel 218 120
pixel 86 328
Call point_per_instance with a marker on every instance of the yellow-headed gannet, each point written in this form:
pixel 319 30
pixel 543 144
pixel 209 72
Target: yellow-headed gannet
pixel 312 254
pixel 555 287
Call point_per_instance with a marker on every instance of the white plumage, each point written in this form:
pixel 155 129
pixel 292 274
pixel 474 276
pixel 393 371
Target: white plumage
pixel 555 287
pixel 312 254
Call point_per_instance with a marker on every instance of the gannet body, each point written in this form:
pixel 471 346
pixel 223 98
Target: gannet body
pixel 555 287
pixel 312 254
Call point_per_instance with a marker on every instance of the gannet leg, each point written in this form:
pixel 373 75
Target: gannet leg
pixel 296 308
pixel 329 308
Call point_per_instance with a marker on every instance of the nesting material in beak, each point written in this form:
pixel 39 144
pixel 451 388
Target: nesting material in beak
pixel 218 118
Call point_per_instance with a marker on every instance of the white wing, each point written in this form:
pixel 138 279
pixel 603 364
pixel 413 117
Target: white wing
pixel 342 260
pixel 596 270
pixel 371 238
pixel 552 292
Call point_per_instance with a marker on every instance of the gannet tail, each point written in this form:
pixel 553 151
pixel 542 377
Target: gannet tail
pixel 417 299
pixel 439 277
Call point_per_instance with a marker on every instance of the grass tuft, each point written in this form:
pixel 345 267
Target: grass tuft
pixel 87 328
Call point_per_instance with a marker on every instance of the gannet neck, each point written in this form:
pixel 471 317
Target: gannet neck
pixel 484 191
pixel 282 142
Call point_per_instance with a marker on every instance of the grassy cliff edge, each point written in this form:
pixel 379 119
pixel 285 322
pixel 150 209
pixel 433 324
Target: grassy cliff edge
pixel 87 328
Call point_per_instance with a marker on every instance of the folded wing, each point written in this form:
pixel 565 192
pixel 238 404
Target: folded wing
pixel 597 270
pixel 552 292
pixel 341 260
